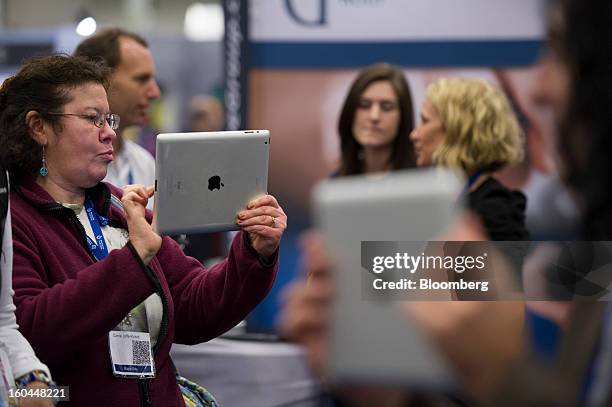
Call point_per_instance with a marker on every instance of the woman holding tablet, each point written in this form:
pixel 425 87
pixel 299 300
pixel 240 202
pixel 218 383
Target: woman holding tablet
pixel 99 294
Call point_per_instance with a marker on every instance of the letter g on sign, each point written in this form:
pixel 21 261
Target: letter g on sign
pixel 319 20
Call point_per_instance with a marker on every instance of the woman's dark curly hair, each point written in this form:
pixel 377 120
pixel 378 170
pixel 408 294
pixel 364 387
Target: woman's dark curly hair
pixel 402 155
pixel 43 84
pixel 580 33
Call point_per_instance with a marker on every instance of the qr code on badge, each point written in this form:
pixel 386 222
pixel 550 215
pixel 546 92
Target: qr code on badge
pixel 140 352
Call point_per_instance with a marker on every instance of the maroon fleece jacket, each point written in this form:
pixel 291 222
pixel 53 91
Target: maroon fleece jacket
pixel 67 302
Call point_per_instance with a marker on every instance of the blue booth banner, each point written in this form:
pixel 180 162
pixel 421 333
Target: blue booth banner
pixel 418 33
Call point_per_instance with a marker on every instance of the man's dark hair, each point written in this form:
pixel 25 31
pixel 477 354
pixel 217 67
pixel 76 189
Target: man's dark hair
pixel 105 46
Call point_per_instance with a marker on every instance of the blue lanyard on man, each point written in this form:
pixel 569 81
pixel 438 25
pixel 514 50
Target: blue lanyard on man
pixel 98 248
pixel 130 176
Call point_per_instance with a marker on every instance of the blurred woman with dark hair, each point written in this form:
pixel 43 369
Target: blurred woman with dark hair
pixel 375 122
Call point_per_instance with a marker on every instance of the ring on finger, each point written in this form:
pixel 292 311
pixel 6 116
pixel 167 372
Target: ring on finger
pixel 273 221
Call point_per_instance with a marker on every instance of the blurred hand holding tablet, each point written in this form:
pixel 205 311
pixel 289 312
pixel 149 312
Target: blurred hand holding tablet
pixel 371 341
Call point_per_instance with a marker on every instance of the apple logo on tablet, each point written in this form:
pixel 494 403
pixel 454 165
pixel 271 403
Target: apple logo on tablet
pixel 214 182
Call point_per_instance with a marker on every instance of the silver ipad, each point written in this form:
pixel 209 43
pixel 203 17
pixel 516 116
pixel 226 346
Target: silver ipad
pixel 373 341
pixel 203 180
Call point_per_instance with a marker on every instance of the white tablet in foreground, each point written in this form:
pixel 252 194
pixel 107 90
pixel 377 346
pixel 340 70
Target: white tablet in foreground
pixel 203 180
pixel 374 341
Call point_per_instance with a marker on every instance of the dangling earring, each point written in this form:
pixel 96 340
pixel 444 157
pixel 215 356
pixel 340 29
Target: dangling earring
pixel 43 169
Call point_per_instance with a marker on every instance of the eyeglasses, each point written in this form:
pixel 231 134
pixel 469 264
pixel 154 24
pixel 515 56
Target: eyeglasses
pixel 97 119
